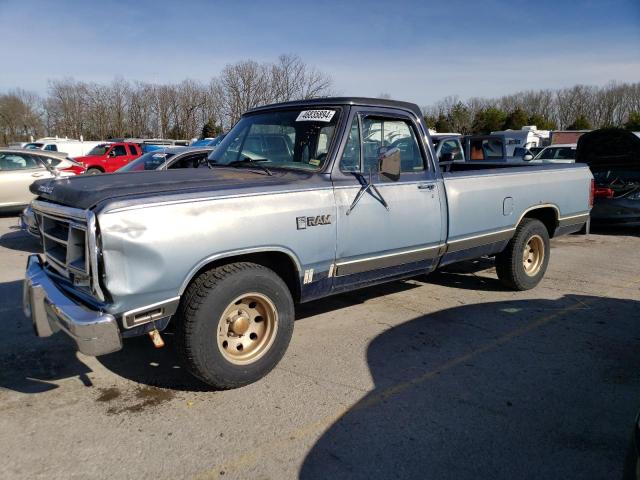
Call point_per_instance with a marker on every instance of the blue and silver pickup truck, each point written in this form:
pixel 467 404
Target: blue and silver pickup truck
pixel 301 200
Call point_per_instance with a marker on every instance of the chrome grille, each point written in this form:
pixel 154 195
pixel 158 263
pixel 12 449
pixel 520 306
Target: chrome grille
pixel 65 245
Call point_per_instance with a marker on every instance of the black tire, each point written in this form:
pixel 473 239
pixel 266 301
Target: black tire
pixel 200 317
pixel 510 264
pixel 93 171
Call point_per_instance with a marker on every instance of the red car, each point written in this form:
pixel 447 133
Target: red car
pixel 109 157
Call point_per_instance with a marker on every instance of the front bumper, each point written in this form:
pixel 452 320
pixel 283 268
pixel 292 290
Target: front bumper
pixel 28 222
pixel 51 310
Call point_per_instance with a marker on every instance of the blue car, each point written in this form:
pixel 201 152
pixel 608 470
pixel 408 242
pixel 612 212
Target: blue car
pixel 208 142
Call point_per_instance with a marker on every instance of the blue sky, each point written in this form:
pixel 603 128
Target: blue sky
pixel 418 51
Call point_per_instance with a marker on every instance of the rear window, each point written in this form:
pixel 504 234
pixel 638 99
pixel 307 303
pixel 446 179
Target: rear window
pixel 99 149
pixel 148 161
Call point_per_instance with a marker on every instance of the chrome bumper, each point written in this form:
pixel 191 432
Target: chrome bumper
pixel 50 310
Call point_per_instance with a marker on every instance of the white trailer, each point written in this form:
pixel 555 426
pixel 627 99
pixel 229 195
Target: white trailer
pixel 527 137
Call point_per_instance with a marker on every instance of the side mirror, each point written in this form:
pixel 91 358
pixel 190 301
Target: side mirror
pixel 446 157
pixel 112 153
pixel 389 163
pixel 527 157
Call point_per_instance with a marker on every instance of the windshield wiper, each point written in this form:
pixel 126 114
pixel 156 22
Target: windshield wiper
pixel 250 162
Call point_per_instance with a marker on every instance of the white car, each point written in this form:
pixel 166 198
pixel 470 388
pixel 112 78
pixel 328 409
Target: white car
pixel 72 148
pixel 558 153
pixel 20 168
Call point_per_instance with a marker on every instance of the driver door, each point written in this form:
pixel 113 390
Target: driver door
pixel 395 228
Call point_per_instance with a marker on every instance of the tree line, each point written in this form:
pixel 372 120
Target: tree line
pixel 191 108
pixel 581 107
pixel 183 110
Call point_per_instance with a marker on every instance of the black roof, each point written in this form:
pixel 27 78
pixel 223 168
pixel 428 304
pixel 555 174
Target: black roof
pixel 361 101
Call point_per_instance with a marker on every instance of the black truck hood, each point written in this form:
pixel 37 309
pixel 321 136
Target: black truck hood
pixel 86 191
pixel 609 148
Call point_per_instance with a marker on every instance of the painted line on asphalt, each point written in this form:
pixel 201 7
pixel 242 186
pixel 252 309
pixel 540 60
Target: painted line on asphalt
pixel 253 456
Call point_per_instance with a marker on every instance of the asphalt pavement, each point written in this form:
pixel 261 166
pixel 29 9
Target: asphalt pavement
pixel 447 376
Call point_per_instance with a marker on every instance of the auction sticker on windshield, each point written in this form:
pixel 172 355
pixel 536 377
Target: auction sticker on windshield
pixel 315 116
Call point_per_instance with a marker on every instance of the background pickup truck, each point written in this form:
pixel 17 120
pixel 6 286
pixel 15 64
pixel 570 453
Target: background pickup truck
pixel 351 196
pixel 109 157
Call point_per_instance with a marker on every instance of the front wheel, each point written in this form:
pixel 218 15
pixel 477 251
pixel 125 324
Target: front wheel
pixel 93 171
pixel 234 324
pixel 523 263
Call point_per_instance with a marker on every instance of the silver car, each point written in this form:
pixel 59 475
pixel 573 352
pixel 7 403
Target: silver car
pixel 20 168
pixel 169 158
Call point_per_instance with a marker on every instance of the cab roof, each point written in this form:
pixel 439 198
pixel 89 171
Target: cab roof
pixel 337 101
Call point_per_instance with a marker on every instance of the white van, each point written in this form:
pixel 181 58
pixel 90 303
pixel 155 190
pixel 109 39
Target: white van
pixel 73 148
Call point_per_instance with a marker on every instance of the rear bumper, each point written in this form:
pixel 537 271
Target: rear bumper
pixel 51 310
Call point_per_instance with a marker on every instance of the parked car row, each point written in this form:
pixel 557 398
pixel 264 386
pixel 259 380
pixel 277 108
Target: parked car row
pixel 80 148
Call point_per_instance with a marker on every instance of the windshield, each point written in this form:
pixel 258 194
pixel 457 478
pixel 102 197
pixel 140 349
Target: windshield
pixel 557 153
pixel 33 146
pixel 148 161
pixel 296 139
pixel 99 150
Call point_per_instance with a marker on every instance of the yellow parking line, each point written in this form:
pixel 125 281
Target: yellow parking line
pixel 253 455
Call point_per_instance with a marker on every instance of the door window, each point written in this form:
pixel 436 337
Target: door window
pixel 350 161
pixel 379 135
pixel 119 151
pixel 565 153
pixel 52 162
pixel 51 148
pixel 547 153
pixel 133 151
pixel 190 161
pixel 15 161
pixel 452 147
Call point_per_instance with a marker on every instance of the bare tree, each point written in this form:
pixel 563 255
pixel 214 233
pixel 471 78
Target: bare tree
pixel 20 115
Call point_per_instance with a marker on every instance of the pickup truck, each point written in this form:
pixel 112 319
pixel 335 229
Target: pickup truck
pixel 226 252
pixel 109 157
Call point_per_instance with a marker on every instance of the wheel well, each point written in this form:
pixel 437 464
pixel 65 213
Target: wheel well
pixel 281 263
pixel 95 167
pixel 547 215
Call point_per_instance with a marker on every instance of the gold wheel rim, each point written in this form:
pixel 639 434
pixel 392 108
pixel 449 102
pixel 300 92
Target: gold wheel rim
pixel 247 328
pixel 533 255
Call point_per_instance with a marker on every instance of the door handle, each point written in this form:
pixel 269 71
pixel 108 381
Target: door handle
pixel 426 186
pixel 37 174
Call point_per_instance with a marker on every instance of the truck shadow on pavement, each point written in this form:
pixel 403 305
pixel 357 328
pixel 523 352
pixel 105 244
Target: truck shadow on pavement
pixel 27 364
pixel 463 275
pixel 141 363
pixel 513 389
pixel 20 241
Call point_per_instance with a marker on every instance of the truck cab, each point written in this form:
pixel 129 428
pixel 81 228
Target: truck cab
pixel 109 157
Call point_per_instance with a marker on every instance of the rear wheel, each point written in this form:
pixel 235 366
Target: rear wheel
pixel 234 324
pixel 523 263
pixel 93 171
